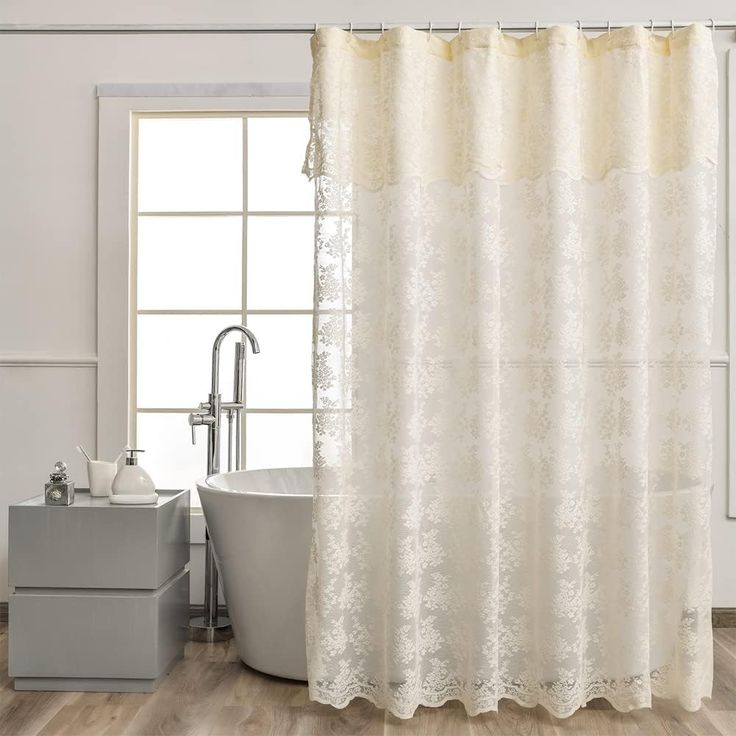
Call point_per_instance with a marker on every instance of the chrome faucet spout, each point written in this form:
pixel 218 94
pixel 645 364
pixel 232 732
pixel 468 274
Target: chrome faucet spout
pixel 216 351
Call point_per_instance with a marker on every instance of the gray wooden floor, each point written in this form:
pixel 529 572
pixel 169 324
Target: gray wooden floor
pixel 211 693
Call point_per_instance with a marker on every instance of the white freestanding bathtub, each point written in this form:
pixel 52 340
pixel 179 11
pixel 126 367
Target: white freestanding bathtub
pixel 260 524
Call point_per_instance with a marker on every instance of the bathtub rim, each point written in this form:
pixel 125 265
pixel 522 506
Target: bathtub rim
pixel 204 484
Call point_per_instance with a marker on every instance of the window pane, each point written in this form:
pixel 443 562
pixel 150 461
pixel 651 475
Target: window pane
pixel 278 440
pixel 280 376
pixel 280 262
pixel 190 164
pixel 175 358
pixel 189 262
pixel 170 457
pixel 276 148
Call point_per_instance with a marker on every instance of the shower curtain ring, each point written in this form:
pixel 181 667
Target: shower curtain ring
pixel 383 28
pixel 580 26
pixel 350 29
pixel 459 26
pixel 651 27
pixel 429 35
pixel 536 28
pixel 498 23
pixel 712 25
pixel 609 28
pixel 672 27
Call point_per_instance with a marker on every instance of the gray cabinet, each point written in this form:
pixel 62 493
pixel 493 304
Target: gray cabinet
pixel 99 593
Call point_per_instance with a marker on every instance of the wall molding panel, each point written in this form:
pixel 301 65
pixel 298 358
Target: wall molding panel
pixel 20 360
pixel 730 133
pixel 178 89
pixel 85 361
pixel 722 617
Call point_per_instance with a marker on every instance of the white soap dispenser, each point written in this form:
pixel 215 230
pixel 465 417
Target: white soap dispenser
pixel 132 484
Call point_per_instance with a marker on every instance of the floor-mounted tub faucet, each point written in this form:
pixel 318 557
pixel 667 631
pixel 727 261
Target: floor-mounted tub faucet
pixel 211 626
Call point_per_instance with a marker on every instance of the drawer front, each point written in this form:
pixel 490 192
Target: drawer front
pixel 105 635
pixel 119 547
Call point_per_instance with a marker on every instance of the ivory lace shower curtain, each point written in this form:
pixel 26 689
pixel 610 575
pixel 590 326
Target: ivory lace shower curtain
pixel 514 282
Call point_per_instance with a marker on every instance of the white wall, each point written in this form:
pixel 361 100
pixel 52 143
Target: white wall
pixel 48 185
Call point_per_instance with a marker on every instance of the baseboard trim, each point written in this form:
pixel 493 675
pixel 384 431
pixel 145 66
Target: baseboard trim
pixel 195 609
pixel 723 618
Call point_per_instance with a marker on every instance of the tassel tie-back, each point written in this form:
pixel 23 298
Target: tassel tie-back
pixel 408 104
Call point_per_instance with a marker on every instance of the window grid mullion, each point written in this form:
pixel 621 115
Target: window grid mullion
pixel 253 410
pixel 174 312
pixel 244 294
pixel 133 293
pixel 226 213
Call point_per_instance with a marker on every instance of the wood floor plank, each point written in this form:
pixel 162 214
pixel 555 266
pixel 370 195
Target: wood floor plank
pixel 727 637
pixel 129 699
pixel 192 678
pixel 248 687
pixel 603 722
pixel 724 720
pixel 188 700
pixel 26 713
pixel 173 717
pixel 679 722
pixel 453 720
pixel 514 720
pixel 724 685
pixel 243 720
pixel 358 718
pixel 90 720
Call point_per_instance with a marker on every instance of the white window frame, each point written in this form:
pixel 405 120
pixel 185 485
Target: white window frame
pixel 115 293
pixel 730 288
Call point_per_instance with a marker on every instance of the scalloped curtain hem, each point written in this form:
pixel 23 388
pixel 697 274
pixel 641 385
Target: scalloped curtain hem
pixel 503 178
pixel 621 702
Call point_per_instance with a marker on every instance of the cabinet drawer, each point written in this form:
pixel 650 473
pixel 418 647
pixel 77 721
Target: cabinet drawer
pixel 92 544
pixel 98 634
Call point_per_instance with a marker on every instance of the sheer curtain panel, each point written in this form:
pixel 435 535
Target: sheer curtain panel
pixel 514 281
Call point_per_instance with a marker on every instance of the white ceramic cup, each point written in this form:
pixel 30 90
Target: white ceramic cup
pixel 101 475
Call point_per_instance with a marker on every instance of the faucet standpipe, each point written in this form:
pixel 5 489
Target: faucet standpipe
pixel 211 626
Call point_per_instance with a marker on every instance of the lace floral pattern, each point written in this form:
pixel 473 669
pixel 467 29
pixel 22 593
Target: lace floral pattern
pixel 412 106
pixel 511 375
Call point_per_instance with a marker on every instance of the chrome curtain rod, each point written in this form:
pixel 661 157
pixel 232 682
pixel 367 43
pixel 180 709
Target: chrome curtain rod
pixel 308 28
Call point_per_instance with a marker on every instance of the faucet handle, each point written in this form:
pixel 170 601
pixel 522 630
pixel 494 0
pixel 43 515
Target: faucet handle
pixel 197 418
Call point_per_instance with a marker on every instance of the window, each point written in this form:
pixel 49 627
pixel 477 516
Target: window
pixel 221 233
